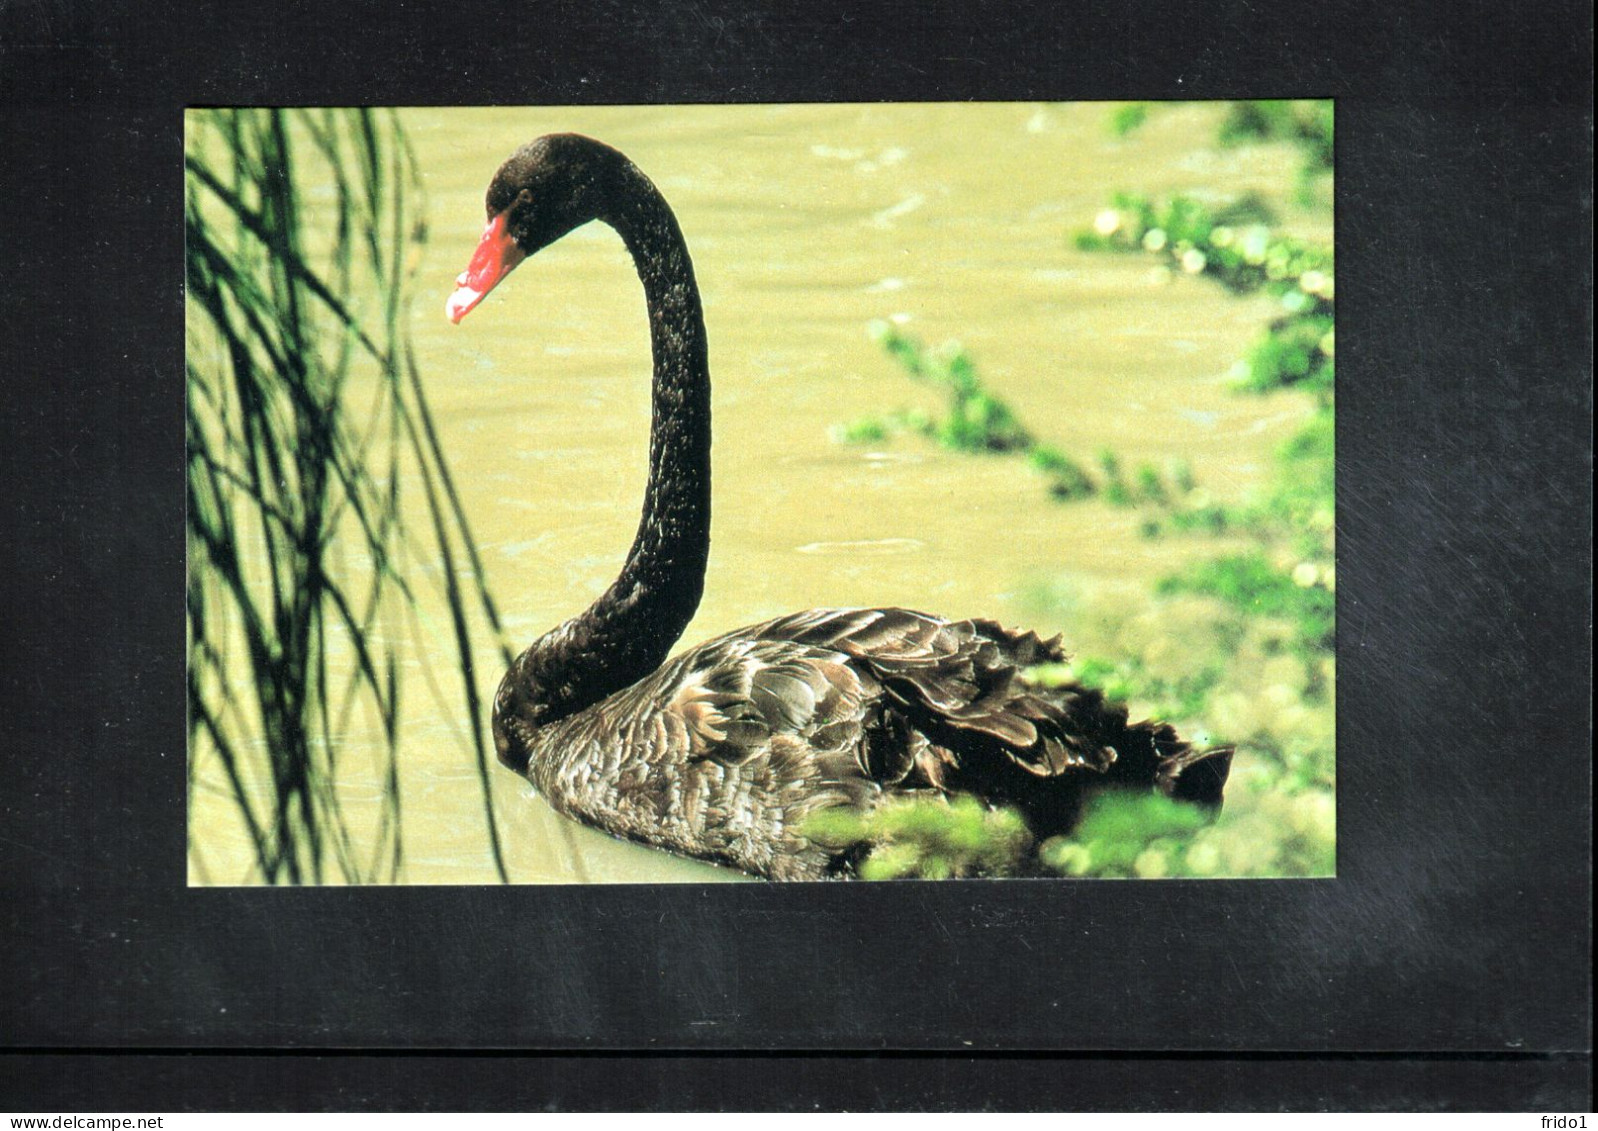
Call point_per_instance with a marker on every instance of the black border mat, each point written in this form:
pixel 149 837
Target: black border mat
pixel 45 1084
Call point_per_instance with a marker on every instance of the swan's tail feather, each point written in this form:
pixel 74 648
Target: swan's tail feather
pixel 1196 775
pixel 1203 780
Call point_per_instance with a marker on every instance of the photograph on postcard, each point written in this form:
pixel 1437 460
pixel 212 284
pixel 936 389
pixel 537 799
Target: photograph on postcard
pixel 789 492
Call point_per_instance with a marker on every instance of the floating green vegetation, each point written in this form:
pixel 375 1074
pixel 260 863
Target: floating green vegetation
pixel 1237 249
pixel 305 414
pixel 1251 584
pixel 1295 510
pixel 977 420
pixel 1128 117
pixel 1289 574
pixel 1307 124
pixel 1126 835
pixel 928 839
pixel 1164 694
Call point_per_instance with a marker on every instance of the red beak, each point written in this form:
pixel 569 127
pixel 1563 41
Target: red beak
pixel 496 256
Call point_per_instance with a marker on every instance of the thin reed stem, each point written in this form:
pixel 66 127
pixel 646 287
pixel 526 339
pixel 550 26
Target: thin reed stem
pixel 299 533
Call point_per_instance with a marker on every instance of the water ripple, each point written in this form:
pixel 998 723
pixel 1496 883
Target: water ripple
pixel 866 546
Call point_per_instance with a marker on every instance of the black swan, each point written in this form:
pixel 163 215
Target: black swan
pixel 723 752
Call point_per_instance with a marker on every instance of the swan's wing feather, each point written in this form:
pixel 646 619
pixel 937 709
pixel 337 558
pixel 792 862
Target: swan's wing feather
pixel 963 685
pixel 734 695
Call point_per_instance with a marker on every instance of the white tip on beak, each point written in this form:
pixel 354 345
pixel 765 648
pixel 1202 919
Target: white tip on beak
pixel 461 302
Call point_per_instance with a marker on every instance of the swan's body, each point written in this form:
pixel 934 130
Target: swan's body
pixel 723 752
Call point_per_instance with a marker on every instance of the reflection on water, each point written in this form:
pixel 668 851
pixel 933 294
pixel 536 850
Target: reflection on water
pixel 867 546
pixel 806 224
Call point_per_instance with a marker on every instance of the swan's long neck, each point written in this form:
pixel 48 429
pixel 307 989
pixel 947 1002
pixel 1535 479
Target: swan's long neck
pixel 665 569
pixel 629 631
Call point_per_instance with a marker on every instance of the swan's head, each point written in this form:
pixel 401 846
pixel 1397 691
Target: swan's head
pixel 547 188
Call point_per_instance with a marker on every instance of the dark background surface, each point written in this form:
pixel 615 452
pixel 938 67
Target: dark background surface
pixel 44 1083
pixel 1460 921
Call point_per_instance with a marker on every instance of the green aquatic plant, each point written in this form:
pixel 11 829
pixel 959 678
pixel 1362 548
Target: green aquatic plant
pixel 1066 478
pixel 927 838
pixel 1251 584
pixel 975 420
pixel 1149 837
pixel 1160 694
pixel 1128 117
pixel 305 416
pixel 1290 572
pixel 979 421
pixel 1236 248
pixel 1304 123
pixel 1124 836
